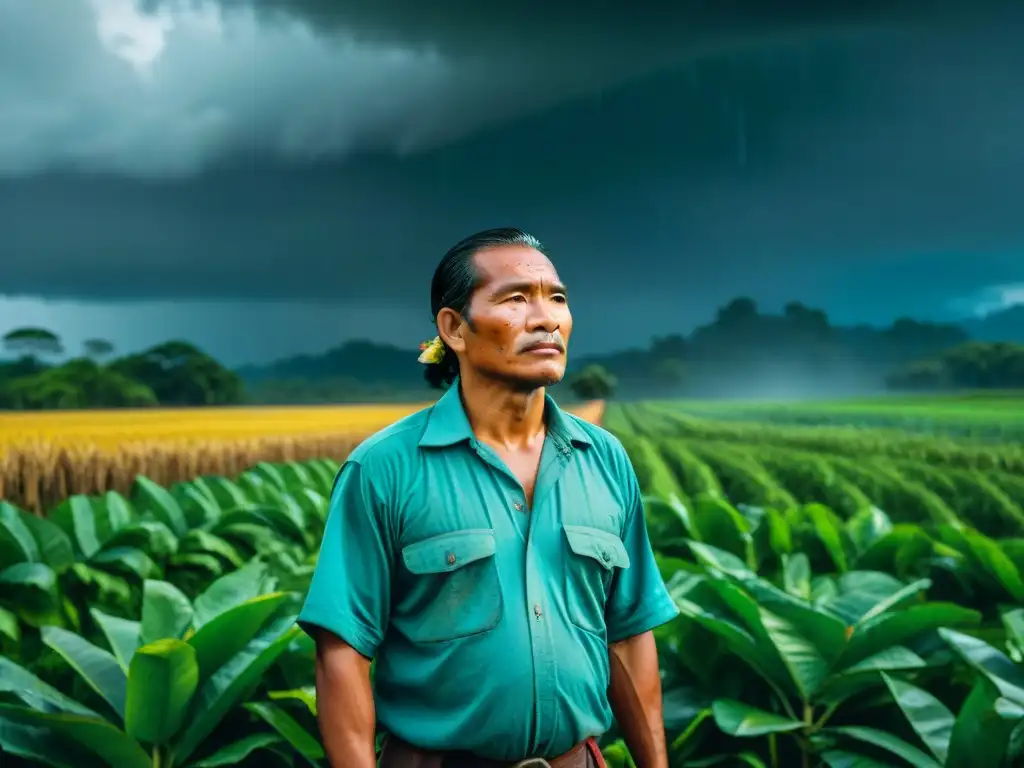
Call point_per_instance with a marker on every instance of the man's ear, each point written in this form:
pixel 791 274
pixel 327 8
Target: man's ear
pixel 451 327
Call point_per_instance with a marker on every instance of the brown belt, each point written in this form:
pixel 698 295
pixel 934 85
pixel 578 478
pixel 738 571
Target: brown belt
pixel 400 754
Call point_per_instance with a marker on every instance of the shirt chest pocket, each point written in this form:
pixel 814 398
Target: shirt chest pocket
pixel 594 556
pixel 453 589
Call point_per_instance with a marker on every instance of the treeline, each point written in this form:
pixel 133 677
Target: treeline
pixel 975 365
pixel 174 373
pixel 742 353
pixel 745 352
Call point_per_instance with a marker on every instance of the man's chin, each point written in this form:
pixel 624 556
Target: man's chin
pixel 542 376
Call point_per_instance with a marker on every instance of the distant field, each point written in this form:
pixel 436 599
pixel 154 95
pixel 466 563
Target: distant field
pixel 111 430
pixel 986 416
pixel 47 456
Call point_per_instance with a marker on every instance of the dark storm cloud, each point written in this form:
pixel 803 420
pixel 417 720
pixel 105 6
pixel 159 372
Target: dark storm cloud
pixel 872 160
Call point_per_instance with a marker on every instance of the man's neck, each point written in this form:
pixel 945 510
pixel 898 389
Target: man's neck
pixel 503 417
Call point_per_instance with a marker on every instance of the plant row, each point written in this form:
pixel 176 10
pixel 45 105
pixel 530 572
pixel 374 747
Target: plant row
pixel 781 475
pixel 850 441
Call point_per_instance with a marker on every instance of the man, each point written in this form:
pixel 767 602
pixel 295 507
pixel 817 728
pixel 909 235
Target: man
pixel 489 552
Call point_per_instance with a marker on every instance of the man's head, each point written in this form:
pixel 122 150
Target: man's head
pixel 501 311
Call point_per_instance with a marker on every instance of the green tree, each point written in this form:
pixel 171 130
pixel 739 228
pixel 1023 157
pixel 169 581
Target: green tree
pixel 37 342
pixel 98 349
pixel 180 373
pixel 592 383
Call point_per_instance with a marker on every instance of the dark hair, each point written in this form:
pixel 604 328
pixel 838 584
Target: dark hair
pixel 454 281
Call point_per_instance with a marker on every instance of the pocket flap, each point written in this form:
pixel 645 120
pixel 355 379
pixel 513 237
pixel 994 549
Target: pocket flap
pixel 606 548
pixel 449 551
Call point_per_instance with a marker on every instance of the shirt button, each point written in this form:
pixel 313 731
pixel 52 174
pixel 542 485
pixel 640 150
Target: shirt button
pixel 519 507
pixel 451 558
pixel 536 610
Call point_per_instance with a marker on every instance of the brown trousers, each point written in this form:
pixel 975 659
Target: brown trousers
pixel 399 754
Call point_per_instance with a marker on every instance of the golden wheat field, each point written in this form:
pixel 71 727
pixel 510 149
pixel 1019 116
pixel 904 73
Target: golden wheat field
pixel 47 456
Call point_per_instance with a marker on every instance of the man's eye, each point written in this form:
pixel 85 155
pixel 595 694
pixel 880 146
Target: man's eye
pixel 559 297
pixel 517 297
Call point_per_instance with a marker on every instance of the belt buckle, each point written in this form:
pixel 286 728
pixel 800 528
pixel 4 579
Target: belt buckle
pixel 532 762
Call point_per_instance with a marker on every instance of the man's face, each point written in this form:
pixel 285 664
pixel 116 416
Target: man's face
pixel 520 318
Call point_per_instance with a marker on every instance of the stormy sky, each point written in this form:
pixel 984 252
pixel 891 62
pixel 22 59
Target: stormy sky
pixel 275 179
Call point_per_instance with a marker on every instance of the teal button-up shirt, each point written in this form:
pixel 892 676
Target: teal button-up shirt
pixel 489 620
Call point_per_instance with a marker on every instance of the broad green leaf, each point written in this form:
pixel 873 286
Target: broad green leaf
pixel 837 758
pixel 9 626
pixel 859 592
pixel 298 737
pixel 997 563
pixel 981 733
pixel 1013 621
pixel 161 682
pixel 616 755
pixel 909 592
pixel 1003 673
pixel 123 635
pixel 726 562
pixel 16 540
pixel 717 523
pixel 307 695
pixel 236 752
pixel 893 658
pixel 96 666
pixel 899 627
pixel 30 589
pixel 55 547
pixel 738 719
pixel 737 639
pixel 928 716
pixel 886 741
pixel 166 612
pixel 77 517
pixel 150 497
pixel 227 633
pixel 112 745
pixel 127 559
pixel 867 527
pixel 198 541
pixel 797 575
pixel 830 530
pixel 18 681
pixel 232 683
pixel 37 743
pixel 228 591
pixel 119 511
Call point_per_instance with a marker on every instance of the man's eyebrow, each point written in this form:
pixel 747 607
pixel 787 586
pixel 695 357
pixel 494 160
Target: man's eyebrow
pixel 526 286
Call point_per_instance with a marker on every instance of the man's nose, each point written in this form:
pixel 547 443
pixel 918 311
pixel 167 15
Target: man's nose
pixel 545 315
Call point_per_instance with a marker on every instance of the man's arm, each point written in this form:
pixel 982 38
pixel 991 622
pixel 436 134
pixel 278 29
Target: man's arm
pixel 635 698
pixel 346 611
pixel 638 602
pixel 344 698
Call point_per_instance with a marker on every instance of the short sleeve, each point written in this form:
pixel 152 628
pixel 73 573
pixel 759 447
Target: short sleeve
pixel 639 600
pixel 350 594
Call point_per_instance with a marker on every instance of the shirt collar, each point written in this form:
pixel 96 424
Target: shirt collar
pixel 448 424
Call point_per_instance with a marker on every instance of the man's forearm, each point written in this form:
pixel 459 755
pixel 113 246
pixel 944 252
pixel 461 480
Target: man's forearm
pixel 345 711
pixel 635 698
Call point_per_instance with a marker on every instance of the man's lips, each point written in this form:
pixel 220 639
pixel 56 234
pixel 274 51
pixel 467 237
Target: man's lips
pixel 546 348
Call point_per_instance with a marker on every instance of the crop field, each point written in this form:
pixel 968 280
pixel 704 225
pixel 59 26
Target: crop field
pixel 849 596
pixel 45 457
pixel 998 416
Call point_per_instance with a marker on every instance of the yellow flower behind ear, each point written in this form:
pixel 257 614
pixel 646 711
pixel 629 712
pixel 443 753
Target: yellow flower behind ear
pixel 432 351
